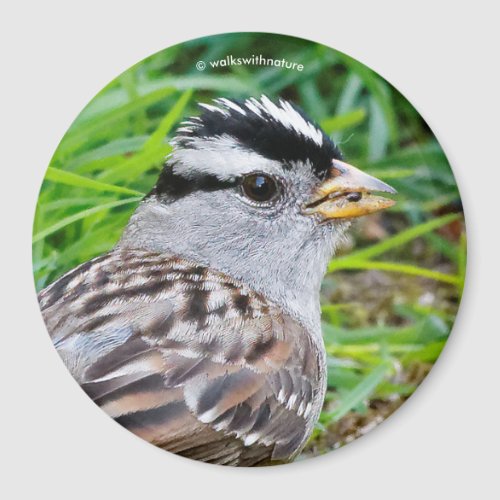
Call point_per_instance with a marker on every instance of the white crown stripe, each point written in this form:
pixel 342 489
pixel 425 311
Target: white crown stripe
pixel 214 109
pixel 252 107
pixel 230 104
pixel 265 109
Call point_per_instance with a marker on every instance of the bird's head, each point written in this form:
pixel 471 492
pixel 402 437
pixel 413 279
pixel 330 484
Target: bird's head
pixel 257 190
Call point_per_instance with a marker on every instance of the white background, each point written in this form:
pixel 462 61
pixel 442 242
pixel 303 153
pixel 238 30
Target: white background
pixel 442 56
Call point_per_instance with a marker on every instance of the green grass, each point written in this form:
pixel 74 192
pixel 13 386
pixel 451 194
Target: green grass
pixel 413 255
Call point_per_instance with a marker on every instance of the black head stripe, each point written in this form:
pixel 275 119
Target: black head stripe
pixel 173 185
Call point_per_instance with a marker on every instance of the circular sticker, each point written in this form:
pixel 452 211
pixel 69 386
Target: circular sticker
pixel 249 249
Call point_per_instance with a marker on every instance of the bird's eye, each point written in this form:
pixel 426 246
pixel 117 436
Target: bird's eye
pixel 260 188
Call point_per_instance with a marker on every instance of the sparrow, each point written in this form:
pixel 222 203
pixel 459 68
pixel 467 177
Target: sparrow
pixel 200 330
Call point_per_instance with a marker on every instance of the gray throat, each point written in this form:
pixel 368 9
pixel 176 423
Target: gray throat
pixel 289 275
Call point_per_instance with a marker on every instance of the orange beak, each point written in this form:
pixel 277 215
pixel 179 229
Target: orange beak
pixel 347 193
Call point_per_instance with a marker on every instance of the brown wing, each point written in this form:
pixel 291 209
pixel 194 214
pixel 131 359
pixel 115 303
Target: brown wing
pixel 186 358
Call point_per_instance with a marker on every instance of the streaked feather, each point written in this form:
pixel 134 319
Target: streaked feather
pixel 146 337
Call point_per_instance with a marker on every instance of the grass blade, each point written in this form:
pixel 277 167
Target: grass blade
pixel 81 215
pixel 341 122
pixel 71 179
pixel 131 168
pixel 378 89
pixel 170 119
pixel 395 267
pixel 393 242
pixel 118 147
pixel 361 392
pixel 76 136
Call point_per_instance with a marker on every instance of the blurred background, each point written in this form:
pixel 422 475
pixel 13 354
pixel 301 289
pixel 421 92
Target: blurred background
pixel 392 292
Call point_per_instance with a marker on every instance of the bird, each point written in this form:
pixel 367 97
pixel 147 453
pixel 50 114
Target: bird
pixel 200 331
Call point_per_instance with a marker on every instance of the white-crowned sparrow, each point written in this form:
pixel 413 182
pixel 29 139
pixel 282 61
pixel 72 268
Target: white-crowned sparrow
pixel 200 331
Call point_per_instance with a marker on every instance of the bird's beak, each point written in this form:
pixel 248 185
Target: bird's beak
pixel 347 193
